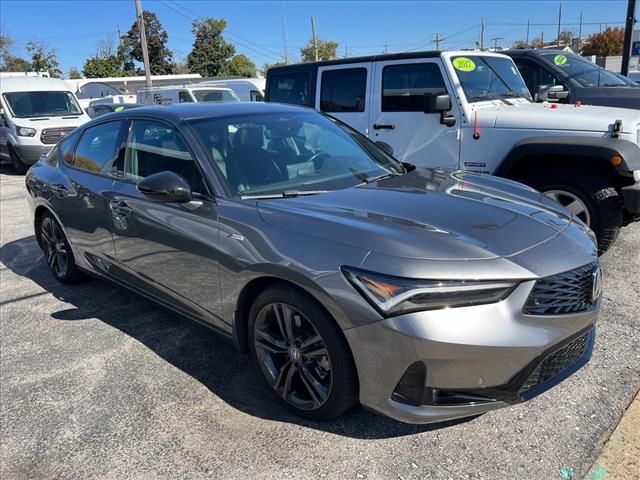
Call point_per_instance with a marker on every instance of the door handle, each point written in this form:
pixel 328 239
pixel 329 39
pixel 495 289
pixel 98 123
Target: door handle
pixel 383 126
pixel 120 207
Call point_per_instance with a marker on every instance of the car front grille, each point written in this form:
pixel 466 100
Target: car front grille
pixel 567 292
pixel 556 362
pixel 54 135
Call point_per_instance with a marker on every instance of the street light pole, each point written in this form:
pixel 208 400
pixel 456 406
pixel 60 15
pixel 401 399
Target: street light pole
pixel 143 42
pixel 628 32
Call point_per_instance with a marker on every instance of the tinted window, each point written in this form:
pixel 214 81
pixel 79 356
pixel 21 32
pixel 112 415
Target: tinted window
pixel 96 150
pixel 155 147
pixel 534 75
pixel 214 96
pixel 256 96
pixel 65 149
pixel 404 86
pixel 290 88
pixel 586 73
pixel 184 97
pixel 343 90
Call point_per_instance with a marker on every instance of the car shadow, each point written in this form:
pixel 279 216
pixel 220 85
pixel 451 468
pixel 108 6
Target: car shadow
pixel 194 349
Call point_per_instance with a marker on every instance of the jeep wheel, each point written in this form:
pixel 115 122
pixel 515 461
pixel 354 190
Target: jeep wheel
pixel 19 167
pixel 589 196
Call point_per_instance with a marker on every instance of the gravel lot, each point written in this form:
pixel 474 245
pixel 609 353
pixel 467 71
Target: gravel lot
pixel 99 383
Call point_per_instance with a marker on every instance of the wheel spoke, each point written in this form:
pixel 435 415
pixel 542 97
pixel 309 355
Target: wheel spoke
pixel 283 317
pixel 46 233
pixel 51 257
pixel 316 390
pixel 268 342
pixel 285 374
pixel 309 342
pixel 316 353
pixel 576 207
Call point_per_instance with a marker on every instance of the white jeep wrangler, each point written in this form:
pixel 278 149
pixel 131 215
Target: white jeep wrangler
pixel 473 111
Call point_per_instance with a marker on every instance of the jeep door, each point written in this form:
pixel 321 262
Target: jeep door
pixel 398 118
pixel 344 92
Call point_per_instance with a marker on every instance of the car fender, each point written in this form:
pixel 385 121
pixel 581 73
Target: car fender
pixel 603 149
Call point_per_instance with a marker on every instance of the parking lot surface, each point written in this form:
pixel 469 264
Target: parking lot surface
pixel 99 383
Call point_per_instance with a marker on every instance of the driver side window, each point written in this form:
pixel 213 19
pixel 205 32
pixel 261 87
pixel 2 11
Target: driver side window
pixel 535 75
pixel 155 147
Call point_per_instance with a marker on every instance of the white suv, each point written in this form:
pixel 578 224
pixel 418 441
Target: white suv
pixel 472 110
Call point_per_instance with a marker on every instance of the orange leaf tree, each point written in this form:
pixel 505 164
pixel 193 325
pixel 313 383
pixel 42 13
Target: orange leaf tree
pixel 610 42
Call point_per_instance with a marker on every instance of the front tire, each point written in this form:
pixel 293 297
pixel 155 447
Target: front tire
pixel 590 196
pixel 301 354
pixel 57 251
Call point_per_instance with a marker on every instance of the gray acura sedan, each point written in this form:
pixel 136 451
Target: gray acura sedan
pixel 423 294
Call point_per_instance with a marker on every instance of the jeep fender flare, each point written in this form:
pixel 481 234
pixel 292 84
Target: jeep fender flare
pixel 600 149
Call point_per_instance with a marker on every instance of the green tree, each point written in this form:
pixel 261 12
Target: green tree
pixel 43 59
pixel 267 66
pixel 100 67
pixel 8 61
pixel 519 44
pixel 240 65
pixel 326 50
pixel 565 37
pixel 160 57
pixel 74 73
pixel 605 44
pixel 210 52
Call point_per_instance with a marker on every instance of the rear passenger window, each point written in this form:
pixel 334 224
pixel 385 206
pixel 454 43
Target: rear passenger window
pixel 96 150
pixel 290 88
pixel 256 96
pixel 155 147
pixel 343 90
pixel 184 97
pixel 404 86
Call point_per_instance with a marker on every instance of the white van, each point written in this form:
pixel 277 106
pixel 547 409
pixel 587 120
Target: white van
pixel 35 112
pixel 247 89
pixel 185 94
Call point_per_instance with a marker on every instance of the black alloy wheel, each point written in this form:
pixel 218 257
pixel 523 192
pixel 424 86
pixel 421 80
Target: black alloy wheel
pixel 57 251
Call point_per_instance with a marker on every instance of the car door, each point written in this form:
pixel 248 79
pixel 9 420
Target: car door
pixel 344 93
pixel 398 118
pixel 170 250
pixel 81 197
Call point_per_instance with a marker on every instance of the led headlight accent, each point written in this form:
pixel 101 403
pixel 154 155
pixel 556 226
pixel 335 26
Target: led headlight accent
pixel 395 295
pixel 25 131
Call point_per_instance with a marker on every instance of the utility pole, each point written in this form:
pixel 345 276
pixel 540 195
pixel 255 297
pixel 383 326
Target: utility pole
pixel 386 47
pixel 528 25
pixel 284 35
pixel 436 40
pixel 495 42
pixel 143 42
pixel 542 39
pixel 346 51
pixel 580 32
pixel 482 35
pixel 559 22
pixel 628 31
pixel 315 39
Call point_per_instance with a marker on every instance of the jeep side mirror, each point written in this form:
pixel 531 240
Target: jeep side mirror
pixel 545 93
pixel 436 103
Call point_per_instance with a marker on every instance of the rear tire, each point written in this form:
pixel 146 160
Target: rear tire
pixel 57 251
pixel 19 167
pixel 301 354
pixel 602 201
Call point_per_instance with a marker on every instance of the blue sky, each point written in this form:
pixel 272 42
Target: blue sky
pixel 73 28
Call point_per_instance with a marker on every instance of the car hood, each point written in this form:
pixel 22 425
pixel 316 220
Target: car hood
pixel 621 97
pixel 547 116
pixel 427 214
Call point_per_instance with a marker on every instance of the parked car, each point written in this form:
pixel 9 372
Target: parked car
pixel 556 75
pixel 472 110
pixel 247 89
pixel 96 109
pixel 427 294
pixel 185 94
pixel 35 112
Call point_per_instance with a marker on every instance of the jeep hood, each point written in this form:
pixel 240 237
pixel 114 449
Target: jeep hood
pixel 542 116
pixel 426 214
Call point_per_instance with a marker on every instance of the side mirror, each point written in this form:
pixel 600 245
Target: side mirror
pixel 385 147
pixel 165 187
pixel 436 103
pixel 545 93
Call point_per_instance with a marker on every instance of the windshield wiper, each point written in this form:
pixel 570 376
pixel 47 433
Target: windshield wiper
pixel 369 180
pixel 283 194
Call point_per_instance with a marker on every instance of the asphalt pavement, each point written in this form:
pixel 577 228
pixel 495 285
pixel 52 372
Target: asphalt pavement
pixel 96 382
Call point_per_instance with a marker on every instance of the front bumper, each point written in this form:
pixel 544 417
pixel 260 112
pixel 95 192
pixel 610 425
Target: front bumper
pixel 474 359
pixel 631 198
pixel 29 154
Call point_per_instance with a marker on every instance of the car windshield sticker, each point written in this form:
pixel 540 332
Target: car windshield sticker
pixel 119 109
pixel 560 60
pixel 464 64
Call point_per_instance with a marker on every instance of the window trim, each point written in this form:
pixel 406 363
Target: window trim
pixel 404 64
pixel 335 70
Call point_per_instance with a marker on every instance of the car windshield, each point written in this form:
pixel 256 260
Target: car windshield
pixel 484 77
pixel 289 154
pixel 42 104
pixel 586 73
pixel 214 96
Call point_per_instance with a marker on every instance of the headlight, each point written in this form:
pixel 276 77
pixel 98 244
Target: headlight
pixel 25 131
pixel 394 295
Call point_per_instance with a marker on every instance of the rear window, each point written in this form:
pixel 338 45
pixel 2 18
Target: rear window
pixel 343 90
pixel 290 88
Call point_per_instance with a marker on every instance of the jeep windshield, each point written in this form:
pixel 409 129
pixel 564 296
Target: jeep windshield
pixel 42 104
pixel 489 78
pixel 586 73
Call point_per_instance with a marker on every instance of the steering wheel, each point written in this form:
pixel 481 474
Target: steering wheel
pixel 318 159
